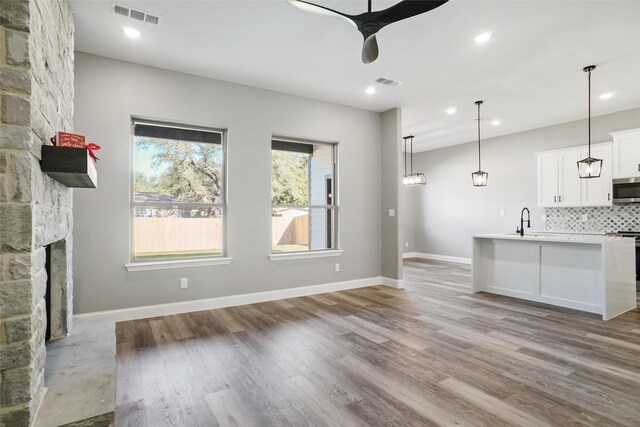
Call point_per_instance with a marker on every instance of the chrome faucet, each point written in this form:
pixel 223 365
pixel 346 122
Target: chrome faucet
pixel 522 220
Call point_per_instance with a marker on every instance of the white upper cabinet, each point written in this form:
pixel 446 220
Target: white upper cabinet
pixel 626 153
pixel 547 180
pixel 559 184
pixel 598 191
pixel 569 183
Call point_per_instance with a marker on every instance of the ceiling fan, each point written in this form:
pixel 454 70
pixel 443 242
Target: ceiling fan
pixel 369 23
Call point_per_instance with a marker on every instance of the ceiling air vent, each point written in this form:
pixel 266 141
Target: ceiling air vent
pixel 138 15
pixel 387 82
pixel 120 10
pixel 152 19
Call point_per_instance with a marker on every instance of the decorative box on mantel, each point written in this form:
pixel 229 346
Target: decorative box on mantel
pixel 72 167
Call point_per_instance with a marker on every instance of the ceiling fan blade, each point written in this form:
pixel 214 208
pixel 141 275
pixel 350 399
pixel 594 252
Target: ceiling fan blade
pixel 370 49
pixel 321 10
pixel 406 9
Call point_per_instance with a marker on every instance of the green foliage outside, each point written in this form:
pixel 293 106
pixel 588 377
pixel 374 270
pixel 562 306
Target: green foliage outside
pixel 147 184
pixel 289 178
pixel 192 172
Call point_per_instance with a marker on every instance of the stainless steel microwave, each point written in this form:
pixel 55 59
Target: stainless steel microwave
pixel 626 190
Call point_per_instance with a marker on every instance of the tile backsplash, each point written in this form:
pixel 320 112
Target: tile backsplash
pixel 604 219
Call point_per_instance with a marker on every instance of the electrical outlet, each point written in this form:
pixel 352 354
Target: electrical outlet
pixel 392 213
pixel 337 267
pixel 585 218
pixel 406 244
pixel 501 212
pixel 184 283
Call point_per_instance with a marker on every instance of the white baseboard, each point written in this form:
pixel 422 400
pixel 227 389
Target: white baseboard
pixel 234 300
pixel 393 283
pixel 435 257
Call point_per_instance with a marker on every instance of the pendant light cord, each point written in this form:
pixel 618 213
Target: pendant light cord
pixel 589 79
pixel 405 156
pixel 479 166
pixel 411 155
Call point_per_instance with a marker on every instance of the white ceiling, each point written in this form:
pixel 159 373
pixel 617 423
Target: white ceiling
pixel 529 74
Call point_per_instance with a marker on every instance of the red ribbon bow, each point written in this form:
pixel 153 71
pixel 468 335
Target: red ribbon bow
pixel 90 147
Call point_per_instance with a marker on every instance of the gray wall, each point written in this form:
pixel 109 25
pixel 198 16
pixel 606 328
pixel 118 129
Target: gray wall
pixel 391 168
pixel 408 216
pixel 109 92
pixel 449 210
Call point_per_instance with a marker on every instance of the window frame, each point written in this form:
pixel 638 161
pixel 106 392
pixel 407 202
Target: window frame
pixel 180 261
pixel 335 207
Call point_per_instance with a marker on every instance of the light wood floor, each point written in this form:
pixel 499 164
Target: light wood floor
pixel 432 354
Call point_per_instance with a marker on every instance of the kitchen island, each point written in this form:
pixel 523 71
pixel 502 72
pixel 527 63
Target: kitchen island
pixel 593 273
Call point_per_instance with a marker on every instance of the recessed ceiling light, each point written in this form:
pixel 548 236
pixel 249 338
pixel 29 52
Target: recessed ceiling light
pixel 496 122
pixel 370 90
pixel 132 33
pixel 482 38
pixel 607 95
pixel 451 110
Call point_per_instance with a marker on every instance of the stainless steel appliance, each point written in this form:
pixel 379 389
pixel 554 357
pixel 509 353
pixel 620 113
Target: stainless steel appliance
pixel 636 235
pixel 626 190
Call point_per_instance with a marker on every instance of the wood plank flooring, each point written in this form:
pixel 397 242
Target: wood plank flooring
pixel 431 354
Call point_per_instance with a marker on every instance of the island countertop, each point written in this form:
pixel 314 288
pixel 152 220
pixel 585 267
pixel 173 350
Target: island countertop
pixel 540 236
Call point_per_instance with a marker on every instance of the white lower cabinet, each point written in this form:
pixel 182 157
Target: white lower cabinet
pixel 559 184
pixel 589 273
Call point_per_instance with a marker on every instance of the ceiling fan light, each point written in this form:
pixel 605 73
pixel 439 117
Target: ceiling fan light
pixel 590 168
pixel 479 178
pixel 370 22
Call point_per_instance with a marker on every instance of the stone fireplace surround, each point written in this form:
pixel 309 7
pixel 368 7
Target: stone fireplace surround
pixel 36 90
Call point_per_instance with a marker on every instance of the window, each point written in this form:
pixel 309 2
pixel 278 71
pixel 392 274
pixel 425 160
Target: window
pixel 178 198
pixel 303 196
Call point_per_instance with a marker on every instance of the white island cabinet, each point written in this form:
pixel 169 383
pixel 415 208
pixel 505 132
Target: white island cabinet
pixel 592 273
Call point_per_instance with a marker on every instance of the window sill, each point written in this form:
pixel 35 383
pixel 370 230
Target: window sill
pixel 304 255
pixel 182 263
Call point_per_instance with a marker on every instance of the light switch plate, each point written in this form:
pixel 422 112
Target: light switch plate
pixel 501 212
pixel 392 213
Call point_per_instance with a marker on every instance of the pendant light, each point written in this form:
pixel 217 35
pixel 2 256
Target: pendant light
pixel 411 178
pixel 479 178
pixel 589 167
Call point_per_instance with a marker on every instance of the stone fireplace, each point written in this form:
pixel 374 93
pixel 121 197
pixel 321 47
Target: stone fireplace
pixel 57 303
pixel 36 89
